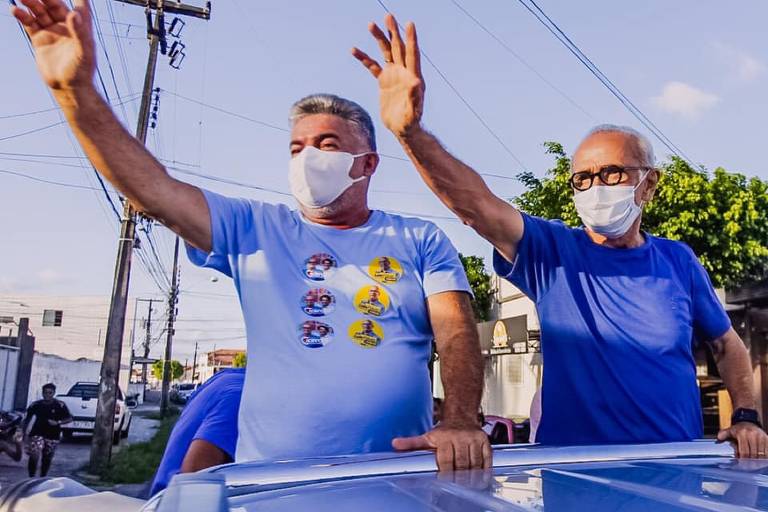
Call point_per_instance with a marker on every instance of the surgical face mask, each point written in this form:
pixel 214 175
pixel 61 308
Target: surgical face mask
pixel 317 178
pixel 608 210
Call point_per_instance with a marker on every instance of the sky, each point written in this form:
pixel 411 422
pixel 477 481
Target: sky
pixel 500 86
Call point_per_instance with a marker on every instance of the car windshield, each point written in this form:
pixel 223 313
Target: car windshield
pixel 89 390
pixel 84 391
pixel 186 387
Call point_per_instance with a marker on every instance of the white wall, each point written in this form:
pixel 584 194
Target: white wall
pixel 64 373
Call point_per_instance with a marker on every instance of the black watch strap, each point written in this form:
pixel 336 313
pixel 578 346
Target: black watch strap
pixel 749 415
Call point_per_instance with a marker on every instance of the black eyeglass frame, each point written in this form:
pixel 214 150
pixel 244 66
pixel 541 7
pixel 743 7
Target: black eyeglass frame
pixel 599 173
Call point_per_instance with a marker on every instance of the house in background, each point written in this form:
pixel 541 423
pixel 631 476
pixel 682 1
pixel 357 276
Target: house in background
pixel 217 360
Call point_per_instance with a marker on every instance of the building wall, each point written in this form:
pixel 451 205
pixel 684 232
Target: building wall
pixel 64 373
pixel 511 380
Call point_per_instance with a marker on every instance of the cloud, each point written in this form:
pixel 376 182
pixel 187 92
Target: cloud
pixel 684 100
pixel 745 67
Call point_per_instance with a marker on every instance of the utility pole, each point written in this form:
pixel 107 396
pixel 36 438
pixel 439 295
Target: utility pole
pixel 101 446
pixel 194 364
pixel 172 301
pixel 147 341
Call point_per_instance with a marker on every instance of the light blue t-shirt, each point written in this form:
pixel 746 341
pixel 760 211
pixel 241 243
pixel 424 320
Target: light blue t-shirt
pixel 618 328
pixel 326 374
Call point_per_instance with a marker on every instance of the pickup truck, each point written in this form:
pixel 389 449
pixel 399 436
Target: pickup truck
pixel 81 401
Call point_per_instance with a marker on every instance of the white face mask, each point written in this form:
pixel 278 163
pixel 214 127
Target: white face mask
pixel 317 178
pixel 609 211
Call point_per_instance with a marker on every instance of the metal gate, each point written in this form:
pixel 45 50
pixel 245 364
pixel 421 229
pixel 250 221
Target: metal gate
pixel 9 368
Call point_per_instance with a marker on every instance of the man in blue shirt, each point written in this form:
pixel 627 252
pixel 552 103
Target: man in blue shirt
pixel 205 434
pixel 353 397
pixel 620 310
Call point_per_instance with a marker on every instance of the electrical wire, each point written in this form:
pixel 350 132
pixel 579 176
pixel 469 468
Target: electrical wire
pixel 522 61
pixel 561 36
pixel 126 99
pixel 464 100
pixel 30 132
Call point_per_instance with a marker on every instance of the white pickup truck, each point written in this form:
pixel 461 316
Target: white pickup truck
pixel 81 401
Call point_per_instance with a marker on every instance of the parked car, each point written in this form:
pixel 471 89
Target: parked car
pixel 698 475
pixel 81 401
pixel 180 393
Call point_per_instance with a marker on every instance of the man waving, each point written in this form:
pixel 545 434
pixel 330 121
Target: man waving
pixel 358 382
pixel 620 309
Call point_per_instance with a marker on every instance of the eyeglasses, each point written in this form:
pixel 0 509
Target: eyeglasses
pixel 610 175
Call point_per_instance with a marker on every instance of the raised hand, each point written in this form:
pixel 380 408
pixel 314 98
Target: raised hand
pixel 401 84
pixel 62 39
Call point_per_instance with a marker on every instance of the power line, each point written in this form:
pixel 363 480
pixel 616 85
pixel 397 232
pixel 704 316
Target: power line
pixel 224 111
pixel 522 61
pixel 561 36
pixel 29 132
pixel 464 100
pixel 129 98
pixel 50 182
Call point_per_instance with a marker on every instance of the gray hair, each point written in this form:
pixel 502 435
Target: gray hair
pixel 644 146
pixel 337 106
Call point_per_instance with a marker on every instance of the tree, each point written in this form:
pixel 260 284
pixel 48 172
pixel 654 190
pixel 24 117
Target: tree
pixel 722 216
pixel 177 370
pixel 240 360
pixel 480 282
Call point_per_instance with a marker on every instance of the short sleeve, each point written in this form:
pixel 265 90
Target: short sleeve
pixel 710 321
pixel 536 258
pixel 443 271
pixel 219 427
pixel 232 233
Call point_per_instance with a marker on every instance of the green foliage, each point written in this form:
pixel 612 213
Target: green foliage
pixel 240 360
pixel 177 370
pixel 480 282
pixel 137 463
pixel 722 216
pixel 550 197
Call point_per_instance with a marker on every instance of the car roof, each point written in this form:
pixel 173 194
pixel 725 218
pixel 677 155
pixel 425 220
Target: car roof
pixel 699 475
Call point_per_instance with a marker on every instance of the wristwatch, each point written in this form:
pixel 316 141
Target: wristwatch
pixel 749 415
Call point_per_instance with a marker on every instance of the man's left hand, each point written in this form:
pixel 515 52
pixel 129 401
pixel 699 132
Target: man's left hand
pixel 455 447
pixel 750 441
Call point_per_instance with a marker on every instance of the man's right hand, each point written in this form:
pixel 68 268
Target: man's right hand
pixel 62 39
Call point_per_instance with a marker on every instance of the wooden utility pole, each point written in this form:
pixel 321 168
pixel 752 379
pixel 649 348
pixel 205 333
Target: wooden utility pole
pixel 101 446
pixel 172 301
pixel 194 364
pixel 147 341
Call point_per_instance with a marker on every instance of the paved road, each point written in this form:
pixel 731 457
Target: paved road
pixel 73 455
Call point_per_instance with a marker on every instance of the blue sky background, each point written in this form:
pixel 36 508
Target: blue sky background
pixel 697 68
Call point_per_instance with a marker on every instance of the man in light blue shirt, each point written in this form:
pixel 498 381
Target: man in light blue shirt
pixel 367 383
pixel 333 395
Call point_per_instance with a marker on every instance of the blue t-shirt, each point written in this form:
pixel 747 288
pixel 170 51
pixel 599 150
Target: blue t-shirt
pixel 618 329
pixel 210 415
pixel 328 375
